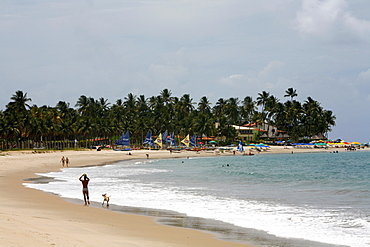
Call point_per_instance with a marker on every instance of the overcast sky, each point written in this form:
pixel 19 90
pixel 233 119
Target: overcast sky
pixel 61 49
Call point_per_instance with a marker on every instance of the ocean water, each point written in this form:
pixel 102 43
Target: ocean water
pixel 315 197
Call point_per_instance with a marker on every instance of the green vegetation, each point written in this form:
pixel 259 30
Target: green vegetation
pixel 93 118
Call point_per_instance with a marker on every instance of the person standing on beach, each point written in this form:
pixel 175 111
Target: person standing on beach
pixel 62 160
pixel 67 161
pixel 85 190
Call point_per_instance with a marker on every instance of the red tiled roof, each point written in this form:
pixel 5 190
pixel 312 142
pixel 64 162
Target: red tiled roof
pixel 249 125
pixel 261 130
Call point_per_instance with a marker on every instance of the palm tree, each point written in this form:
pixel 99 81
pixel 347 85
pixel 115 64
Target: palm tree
pixel 290 92
pixel 204 106
pixel 103 105
pixel 17 115
pixel 262 100
pixel 248 109
pixel 233 111
pixel 117 116
pixel 130 101
pixel 328 120
pixel 82 104
pixel 62 107
pixel 187 103
pixel 168 108
pixel 219 108
pixel 271 109
pixel 131 117
pixel 312 112
pixel 144 122
pixel 279 118
pixel 184 108
pixel 226 130
pixel 7 128
pixel 19 103
pixel 157 109
pixel 293 120
pixel 166 96
pixel 203 125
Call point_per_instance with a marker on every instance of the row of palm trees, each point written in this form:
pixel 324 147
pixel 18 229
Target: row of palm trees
pixel 92 118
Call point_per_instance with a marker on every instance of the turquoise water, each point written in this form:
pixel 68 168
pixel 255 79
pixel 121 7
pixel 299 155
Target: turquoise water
pixel 322 197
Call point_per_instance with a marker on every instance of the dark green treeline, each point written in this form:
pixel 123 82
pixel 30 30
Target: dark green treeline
pixel 97 118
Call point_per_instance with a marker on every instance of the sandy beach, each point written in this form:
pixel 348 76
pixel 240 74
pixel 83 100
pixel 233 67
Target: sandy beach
pixel 29 217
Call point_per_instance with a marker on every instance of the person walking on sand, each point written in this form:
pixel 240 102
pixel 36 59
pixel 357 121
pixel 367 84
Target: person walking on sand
pixel 67 161
pixel 85 190
pixel 62 160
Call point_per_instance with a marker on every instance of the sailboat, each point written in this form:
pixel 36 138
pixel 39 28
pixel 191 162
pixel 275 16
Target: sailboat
pixel 171 139
pixel 148 139
pixel 240 147
pixel 124 140
pixel 158 140
pixel 164 138
pixel 186 141
pixel 193 141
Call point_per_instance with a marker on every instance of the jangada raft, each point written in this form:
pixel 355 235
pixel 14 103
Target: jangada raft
pixel 123 141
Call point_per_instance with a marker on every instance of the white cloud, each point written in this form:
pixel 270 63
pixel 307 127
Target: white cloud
pixel 364 76
pixel 329 18
pixel 355 24
pixel 272 69
pixel 233 80
pixel 318 16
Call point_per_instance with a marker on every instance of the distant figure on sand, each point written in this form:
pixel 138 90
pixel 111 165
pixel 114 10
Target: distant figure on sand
pixel 62 160
pixel 67 161
pixel 147 156
pixel 85 190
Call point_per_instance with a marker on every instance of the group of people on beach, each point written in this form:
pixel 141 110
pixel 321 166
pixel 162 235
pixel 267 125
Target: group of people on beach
pixel 64 161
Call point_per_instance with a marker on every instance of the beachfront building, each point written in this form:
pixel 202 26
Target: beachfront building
pixel 250 132
pixel 244 133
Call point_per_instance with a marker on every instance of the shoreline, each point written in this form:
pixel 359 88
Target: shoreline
pixel 33 217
